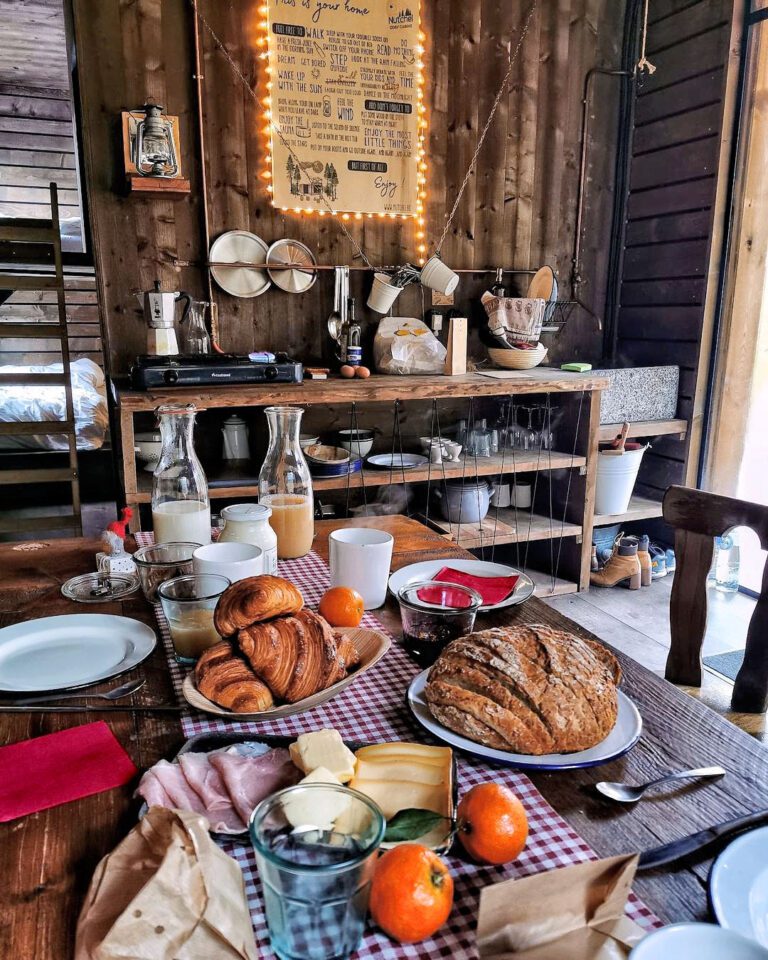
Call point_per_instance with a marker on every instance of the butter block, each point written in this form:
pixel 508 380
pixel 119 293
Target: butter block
pixel 323 748
pixel 316 809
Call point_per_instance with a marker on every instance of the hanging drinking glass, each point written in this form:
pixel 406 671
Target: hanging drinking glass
pixel 181 509
pixel 285 484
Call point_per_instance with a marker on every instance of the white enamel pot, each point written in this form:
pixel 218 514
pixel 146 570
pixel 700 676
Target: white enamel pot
pixel 465 502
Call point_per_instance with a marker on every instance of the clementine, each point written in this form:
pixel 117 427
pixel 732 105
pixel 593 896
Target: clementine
pixel 492 824
pixel 342 607
pixel 411 893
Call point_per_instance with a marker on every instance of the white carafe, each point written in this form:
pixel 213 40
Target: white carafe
pixel 249 523
pixel 181 509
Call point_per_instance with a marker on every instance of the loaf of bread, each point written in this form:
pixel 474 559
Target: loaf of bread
pixel 526 689
pixel 254 600
pixel 295 656
pixel 224 677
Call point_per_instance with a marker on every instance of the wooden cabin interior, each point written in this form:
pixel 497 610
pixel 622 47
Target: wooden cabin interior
pixel 475 288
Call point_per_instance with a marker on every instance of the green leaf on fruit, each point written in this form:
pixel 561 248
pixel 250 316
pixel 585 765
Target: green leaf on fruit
pixel 411 824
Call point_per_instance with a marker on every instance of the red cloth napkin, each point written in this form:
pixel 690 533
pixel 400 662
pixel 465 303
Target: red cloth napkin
pixel 59 767
pixel 491 589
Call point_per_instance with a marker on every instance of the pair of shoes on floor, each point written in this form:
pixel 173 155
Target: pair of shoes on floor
pixel 623 566
pixel 662 561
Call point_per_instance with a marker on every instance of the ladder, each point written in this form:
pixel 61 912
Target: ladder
pixel 25 244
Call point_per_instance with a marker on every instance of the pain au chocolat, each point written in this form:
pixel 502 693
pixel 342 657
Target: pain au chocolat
pixel 526 689
pixel 254 600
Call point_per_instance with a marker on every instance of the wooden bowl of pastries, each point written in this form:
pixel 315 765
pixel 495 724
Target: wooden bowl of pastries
pixel 276 657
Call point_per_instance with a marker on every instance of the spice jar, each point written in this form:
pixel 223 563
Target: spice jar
pixel 249 523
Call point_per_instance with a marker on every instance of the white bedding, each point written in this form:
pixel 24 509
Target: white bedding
pixel 89 397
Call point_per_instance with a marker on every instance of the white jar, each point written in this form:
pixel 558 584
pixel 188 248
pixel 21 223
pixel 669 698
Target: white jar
pixel 249 523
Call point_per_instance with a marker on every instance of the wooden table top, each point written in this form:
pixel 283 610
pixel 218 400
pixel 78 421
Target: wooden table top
pixel 55 852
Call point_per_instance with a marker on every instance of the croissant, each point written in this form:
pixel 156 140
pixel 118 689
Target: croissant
pixel 294 656
pixel 225 678
pixel 254 600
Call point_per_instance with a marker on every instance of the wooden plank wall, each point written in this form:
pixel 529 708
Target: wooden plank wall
pixel 670 209
pixel 518 210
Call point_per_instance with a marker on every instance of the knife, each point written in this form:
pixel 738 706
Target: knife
pixel 669 852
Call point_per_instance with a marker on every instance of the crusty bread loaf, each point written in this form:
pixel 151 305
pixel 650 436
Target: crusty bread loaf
pixel 295 656
pixel 224 677
pixel 254 600
pixel 526 689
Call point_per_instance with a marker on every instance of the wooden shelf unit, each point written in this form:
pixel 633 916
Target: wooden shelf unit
pixel 504 526
pixel 645 428
pixel 576 531
pixel 640 508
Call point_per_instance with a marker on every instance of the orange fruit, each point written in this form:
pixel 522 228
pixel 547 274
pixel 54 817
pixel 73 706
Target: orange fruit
pixel 492 824
pixel 342 607
pixel 411 893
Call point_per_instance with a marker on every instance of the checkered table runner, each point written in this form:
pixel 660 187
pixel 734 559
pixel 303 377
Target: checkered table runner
pixel 373 708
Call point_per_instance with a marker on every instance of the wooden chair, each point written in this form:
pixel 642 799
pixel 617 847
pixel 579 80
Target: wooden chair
pixel 698 518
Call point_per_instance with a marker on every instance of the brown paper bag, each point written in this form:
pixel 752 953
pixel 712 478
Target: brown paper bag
pixel 574 913
pixel 167 892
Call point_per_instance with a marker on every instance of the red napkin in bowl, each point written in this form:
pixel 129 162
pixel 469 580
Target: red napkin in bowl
pixel 492 589
pixel 59 767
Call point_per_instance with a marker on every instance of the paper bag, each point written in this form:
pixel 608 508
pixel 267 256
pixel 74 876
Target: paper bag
pixel 574 913
pixel 167 892
pixel 404 345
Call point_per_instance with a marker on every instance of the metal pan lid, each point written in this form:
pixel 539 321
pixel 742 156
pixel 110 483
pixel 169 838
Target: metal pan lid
pixel 301 261
pixel 239 246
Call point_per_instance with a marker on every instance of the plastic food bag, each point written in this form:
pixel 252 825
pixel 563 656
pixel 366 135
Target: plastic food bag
pixel 404 345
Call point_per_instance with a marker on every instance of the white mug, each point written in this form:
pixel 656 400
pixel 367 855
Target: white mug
pixel 231 559
pixel 360 557
pixel 501 496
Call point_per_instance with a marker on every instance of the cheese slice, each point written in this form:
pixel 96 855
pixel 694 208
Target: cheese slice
pixel 323 748
pixel 399 769
pixel 395 795
pixel 401 752
pixel 316 808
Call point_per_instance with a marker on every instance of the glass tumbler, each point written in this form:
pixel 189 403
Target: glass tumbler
pixel 188 604
pixel 316 850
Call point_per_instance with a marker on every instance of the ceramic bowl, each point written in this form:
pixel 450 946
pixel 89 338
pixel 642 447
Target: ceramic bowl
pixel 358 442
pixel 705 941
pixel 320 453
pixel 308 440
pixel 514 359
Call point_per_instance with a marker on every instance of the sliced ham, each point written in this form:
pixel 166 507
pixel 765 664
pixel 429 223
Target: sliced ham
pixel 250 779
pixel 173 781
pixel 207 783
pixel 152 790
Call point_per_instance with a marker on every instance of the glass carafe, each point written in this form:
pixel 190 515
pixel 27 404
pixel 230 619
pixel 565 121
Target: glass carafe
pixel 285 484
pixel 195 339
pixel 181 510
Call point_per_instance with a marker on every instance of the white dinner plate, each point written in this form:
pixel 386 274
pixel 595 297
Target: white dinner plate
pixel 704 941
pixel 61 653
pixel 623 737
pixel 428 569
pixel 397 461
pixel 738 886
pixel 239 246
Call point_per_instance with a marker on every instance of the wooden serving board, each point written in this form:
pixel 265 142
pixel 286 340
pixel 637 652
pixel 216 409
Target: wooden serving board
pixel 370 644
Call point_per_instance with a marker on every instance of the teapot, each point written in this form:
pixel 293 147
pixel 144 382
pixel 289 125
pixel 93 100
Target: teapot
pixel 235 434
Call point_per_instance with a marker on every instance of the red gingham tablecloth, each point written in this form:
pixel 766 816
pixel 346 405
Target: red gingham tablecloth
pixel 373 708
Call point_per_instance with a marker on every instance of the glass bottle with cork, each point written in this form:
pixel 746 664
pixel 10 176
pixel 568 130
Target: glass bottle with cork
pixel 353 355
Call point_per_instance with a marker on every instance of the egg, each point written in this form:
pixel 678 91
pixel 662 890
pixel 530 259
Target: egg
pixel 347 371
pixel 363 372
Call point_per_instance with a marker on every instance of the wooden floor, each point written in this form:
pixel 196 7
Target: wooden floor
pixel 637 622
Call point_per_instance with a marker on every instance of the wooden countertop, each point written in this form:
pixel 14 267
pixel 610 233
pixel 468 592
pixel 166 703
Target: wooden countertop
pixel 377 387
pixel 50 856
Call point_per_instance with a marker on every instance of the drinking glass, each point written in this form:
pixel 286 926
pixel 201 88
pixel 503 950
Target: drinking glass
pixel 316 847
pixel 188 604
pixel 160 562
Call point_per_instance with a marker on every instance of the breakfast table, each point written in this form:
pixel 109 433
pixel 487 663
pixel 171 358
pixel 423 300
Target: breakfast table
pixel 50 856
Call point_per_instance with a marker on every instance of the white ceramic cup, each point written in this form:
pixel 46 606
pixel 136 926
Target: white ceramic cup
pixel 501 495
pixel 383 294
pixel 520 496
pixel 233 560
pixel 437 276
pixel 360 557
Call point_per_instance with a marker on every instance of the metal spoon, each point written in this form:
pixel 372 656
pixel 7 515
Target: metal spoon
pixel 627 794
pixel 114 694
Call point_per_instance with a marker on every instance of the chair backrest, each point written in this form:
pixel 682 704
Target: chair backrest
pixel 698 518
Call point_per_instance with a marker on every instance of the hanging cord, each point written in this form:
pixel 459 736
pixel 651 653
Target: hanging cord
pixel 397 437
pixel 434 423
pixel 546 435
pixel 239 74
pixel 644 63
pixel 354 438
pixel 568 485
pixel 533 492
pixel 484 132
pixel 503 445
pixel 514 490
